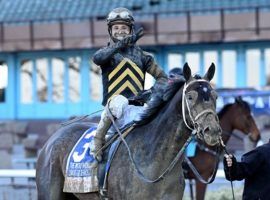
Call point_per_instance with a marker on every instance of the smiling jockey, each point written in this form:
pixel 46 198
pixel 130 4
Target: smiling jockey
pixel 123 66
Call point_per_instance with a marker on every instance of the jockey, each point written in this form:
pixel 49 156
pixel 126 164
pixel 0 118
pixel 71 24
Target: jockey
pixel 123 66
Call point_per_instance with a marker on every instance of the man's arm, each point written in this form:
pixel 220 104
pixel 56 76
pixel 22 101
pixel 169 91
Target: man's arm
pixel 154 69
pixel 103 55
pixel 233 170
pixel 249 165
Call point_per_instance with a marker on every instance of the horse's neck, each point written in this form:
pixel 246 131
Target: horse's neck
pixel 155 145
pixel 168 131
pixel 227 127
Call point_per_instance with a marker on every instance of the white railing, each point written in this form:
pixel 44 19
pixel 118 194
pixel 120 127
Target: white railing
pixel 17 173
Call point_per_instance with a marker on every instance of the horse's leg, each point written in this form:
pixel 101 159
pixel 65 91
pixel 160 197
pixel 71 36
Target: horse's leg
pixel 49 178
pixel 200 190
pixel 191 189
pixel 174 190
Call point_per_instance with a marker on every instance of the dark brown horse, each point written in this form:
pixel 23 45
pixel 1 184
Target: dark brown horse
pixel 154 146
pixel 236 116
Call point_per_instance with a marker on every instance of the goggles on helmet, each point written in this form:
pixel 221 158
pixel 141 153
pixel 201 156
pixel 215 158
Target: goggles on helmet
pixel 122 15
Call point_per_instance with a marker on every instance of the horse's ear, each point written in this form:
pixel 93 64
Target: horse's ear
pixel 238 99
pixel 186 72
pixel 210 73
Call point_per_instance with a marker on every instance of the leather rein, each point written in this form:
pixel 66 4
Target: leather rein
pixel 197 174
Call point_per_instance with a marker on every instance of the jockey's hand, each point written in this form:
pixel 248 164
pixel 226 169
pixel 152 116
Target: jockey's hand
pixel 139 34
pixel 229 159
pixel 135 102
pixel 126 42
pixel 132 39
pixel 141 98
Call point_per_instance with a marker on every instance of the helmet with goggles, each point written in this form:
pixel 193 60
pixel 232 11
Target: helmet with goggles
pixel 120 15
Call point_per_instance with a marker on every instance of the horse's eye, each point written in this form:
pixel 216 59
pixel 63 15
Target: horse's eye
pixel 192 96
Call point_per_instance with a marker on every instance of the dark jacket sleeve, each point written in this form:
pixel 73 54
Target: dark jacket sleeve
pixel 249 164
pixel 103 55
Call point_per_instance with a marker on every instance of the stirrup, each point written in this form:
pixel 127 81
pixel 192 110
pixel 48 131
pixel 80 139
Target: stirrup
pixel 103 194
pixel 98 157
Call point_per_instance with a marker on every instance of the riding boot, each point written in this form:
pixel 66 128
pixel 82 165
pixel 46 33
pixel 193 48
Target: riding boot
pixel 115 108
pixel 99 138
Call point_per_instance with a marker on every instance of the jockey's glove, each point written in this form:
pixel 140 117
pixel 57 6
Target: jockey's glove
pixel 141 98
pixel 131 39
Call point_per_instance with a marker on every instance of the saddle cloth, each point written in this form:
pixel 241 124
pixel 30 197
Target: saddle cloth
pixel 81 172
pixel 81 175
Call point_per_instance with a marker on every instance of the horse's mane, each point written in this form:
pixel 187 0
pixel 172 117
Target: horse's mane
pixel 245 105
pixel 159 98
pixel 224 110
pixel 226 107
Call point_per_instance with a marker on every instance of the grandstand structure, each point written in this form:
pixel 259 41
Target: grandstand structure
pixel 46 47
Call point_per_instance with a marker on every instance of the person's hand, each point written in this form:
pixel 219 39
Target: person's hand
pixel 131 39
pixel 228 159
pixel 139 34
pixel 126 42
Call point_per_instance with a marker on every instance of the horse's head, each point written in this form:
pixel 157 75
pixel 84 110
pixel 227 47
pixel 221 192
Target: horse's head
pixel 199 106
pixel 244 121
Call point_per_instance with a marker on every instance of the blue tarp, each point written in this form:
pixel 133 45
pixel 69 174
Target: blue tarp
pixel 259 100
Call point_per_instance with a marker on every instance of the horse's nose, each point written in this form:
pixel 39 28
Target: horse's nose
pixel 215 130
pixel 206 129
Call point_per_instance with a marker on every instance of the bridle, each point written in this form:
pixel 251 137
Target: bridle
pixel 186 105
pixel 198 131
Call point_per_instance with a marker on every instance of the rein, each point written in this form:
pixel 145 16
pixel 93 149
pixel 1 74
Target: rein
pixel 206 149
pixel 225 150
pixel 212 152
pixel 197 174
pixel 77 119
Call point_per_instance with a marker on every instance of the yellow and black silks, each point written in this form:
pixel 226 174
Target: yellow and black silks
pixel 126 79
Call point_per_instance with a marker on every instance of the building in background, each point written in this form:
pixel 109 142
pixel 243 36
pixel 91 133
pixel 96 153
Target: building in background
pixel 46 48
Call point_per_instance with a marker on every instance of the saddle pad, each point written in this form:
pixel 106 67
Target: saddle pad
pixel 191 148
pixel 81 172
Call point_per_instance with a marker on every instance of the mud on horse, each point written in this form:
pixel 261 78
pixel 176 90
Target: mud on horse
pixel 154 146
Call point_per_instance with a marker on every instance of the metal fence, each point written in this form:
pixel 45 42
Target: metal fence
pixel 18 189
pixel 18 184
